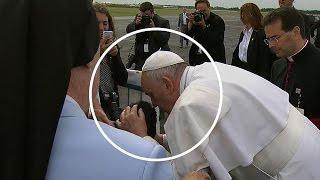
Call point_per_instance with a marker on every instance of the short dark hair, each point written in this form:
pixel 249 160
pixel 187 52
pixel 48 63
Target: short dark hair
pixel 150 116
pixel 201 1
pixel 289 17
pixel 146 6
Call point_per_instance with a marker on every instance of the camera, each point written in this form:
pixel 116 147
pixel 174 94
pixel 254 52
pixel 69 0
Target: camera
pixel 145 20
pixel 112 106
pixel 198 16
pixel 107 34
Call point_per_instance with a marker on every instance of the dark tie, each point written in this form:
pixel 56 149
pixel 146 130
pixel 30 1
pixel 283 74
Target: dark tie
pixel 288 77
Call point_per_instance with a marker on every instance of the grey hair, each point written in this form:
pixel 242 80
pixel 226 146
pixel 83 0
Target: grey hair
pixel 172 70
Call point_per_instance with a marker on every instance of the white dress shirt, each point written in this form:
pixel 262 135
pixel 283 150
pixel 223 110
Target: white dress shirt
pixel 184 18
pixel 243 46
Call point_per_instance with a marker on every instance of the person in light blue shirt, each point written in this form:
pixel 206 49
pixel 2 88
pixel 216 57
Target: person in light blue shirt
pixel 80 152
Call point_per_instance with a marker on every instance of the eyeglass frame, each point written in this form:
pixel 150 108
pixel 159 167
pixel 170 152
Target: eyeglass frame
pixel 273 39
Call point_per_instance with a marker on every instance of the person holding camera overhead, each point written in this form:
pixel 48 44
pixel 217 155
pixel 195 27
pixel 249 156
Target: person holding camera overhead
pixel 208 29
pixel 148 42
pixel 112 70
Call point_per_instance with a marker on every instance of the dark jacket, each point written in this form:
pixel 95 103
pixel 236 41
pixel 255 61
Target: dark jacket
pixel 211 38
pixel 154 39
pixel 307 25
pixel 40 41
pixel 316 26
pixel 119 76
pixel 304 77
pixel 259 56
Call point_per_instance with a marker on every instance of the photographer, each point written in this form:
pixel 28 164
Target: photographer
pixel 208 29
pixel 148 42
pixel 112 70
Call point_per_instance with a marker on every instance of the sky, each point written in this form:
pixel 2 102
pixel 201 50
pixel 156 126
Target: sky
pixel 299 4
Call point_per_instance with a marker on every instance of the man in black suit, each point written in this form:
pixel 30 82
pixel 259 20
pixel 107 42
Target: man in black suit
pixel 148 42
pixel 306 18
pixel 40 42
pixel 208 29
pixel 183 25
pixel 297 70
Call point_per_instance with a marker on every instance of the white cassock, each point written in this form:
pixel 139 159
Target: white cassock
pixel 257 128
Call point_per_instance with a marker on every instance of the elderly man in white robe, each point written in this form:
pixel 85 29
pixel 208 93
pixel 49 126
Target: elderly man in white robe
pixel 259 134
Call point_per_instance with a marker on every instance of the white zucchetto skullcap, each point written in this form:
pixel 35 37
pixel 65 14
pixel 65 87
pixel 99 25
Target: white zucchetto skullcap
pixel 161 59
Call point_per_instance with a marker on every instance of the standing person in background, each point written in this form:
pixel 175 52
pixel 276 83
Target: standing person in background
pixel 183 25
pixel 112 69
pixel 306 19
pixel 316 27
pixel 148 42
pixel 297 72
pixel 251 53
pixel 208 29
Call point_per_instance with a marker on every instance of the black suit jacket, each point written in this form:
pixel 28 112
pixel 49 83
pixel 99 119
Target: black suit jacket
pixel 155 39
pixel 259 56
pixel 40 41
pixel 211 38
pixel 305 77
pixel 307 25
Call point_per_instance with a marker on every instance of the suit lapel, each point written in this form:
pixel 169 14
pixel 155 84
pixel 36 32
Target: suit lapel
pixel 251 47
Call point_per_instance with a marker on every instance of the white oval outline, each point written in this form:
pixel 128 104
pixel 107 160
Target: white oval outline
pixel 145 158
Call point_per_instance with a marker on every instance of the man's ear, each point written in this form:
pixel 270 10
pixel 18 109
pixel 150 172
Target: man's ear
pixel 296 31
pixel 168 83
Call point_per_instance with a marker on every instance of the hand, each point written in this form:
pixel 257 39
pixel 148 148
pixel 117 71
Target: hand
pixel 132 121
pixel 103 46
pixel 102 117
pixel 138 19
pixel 202 23
pixel 159 138
pixel 114 50
pixel 152 23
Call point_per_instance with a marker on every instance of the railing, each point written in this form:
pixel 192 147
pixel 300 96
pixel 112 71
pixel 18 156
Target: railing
pixel 133 83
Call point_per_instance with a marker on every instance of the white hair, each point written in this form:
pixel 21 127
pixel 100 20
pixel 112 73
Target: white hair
pixel 172 70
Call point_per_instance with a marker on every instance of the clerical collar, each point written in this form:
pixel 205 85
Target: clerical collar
pixel 290 57
pixel 184 79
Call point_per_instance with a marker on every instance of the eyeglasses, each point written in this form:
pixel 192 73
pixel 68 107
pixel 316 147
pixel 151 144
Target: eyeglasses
pixel 273 39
